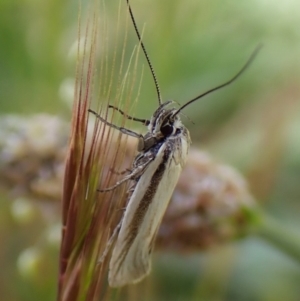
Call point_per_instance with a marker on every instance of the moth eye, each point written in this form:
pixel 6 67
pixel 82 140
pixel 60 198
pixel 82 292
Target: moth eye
pixel 167 129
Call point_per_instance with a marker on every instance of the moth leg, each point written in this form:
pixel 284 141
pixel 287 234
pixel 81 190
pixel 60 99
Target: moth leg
pixel 144 121
pixel 110 242
pixel 135 172
pixel 120 172
pixel 121 129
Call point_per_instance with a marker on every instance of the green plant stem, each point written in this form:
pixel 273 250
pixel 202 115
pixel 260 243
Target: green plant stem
pixel 279 235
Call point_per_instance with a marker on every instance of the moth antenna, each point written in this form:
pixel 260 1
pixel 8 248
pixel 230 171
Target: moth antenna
pixel 144 121
pixel 249 61
pixel 145 53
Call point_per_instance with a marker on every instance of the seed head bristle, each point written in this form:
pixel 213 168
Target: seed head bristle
pixel 95 153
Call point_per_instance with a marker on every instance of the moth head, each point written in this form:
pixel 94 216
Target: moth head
pixel 164 122
pixel 170 124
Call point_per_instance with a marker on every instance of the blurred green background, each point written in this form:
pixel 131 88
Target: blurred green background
pixel 253 125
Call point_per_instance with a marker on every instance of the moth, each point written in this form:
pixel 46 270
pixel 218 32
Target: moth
pixel 162 154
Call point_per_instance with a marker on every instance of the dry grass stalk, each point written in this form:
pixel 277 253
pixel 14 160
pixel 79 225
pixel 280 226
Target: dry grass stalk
pixel 77 204
pixel 89 217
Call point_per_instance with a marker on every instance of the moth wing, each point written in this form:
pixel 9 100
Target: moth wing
pixel 131 260
pixel 181 148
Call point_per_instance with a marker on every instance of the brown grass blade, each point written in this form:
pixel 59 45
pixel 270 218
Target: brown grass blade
pixel 89 217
